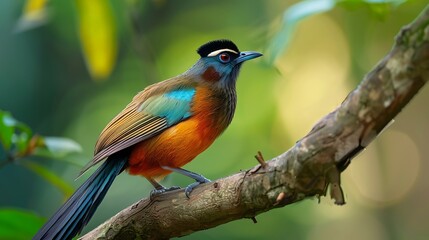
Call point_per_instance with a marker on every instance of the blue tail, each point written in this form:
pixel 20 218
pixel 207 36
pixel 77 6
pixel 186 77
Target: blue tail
pixel 69 220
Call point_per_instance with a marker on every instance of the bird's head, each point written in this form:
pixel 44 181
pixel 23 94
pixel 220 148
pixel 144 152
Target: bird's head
pixel 220 62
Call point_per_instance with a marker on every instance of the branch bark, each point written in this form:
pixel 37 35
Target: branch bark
pixel 306 170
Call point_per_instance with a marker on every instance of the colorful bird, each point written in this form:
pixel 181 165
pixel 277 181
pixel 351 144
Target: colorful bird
pixel 164 127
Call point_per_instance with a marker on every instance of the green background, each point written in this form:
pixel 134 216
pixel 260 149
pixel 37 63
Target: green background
pixel 45 83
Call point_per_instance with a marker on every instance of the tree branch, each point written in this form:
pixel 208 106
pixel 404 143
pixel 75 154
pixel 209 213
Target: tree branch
pixel 304 171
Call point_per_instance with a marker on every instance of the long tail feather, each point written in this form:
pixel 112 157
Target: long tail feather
pixel 70 219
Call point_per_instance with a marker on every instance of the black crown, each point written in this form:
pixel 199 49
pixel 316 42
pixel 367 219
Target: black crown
pixel 212 46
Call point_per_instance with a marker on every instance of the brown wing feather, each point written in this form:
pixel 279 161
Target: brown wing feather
pixel 131 125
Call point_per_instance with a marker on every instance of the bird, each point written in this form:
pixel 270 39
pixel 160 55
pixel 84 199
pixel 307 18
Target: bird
pixel 164 127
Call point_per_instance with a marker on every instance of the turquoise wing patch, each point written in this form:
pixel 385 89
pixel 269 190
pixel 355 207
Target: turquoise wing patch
pixel 182 94
pixel 174 106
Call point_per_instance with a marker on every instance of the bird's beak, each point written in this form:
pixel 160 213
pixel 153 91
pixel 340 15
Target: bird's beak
pixel 244 56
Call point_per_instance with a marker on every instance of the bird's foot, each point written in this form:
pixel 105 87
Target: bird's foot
pixel 191 186
pixel 158 191
pixel 197 177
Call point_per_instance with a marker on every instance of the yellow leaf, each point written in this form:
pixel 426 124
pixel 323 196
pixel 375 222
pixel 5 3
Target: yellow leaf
pixel 35 5
pixel 98 36
pixel 35 14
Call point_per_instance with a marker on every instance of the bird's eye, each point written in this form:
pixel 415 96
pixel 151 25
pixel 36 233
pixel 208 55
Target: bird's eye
pixel 224 57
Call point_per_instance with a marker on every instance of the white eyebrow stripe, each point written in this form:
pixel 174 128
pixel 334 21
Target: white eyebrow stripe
pixel 214 53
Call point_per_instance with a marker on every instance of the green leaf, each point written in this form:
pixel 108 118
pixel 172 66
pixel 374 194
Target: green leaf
pixel 291 17
pixel 16 224
pixel 18 141
pixel 21 141
pixel 7 128
pixel 21 127
pixel 14 133
pixel 50 177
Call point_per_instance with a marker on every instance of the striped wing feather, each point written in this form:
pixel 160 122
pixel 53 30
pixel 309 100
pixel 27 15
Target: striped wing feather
pixel 133 124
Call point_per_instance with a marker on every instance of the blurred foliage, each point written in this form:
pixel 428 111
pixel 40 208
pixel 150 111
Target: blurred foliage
pixel 19 142
pixel 16 224
pixel 50 177
pixel 35 14
pixel 301 10
pixel 15 136
pixel 51 50
pixel 97 36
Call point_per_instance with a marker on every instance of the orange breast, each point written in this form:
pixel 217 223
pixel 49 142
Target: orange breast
pixel 178 144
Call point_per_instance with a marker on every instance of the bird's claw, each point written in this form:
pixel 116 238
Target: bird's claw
pixel 191 186
pixel 156 192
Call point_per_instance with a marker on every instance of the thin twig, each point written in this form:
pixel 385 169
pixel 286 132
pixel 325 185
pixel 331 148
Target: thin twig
pixel 261 159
